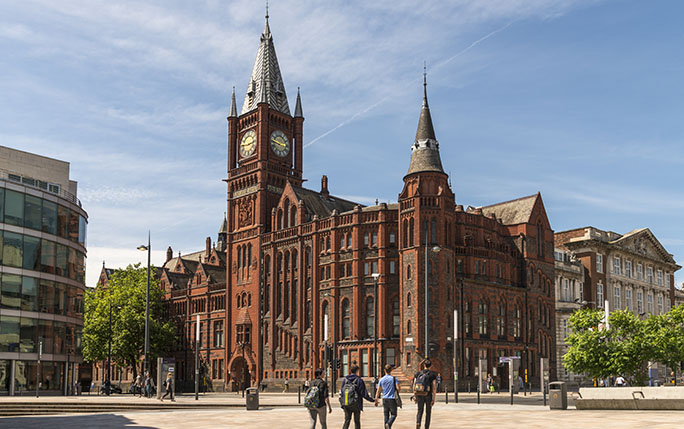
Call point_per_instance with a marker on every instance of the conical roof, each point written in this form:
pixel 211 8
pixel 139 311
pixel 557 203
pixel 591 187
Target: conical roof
pixel 298 107
pixel 266 82
pixel 425 148
pixel 233 106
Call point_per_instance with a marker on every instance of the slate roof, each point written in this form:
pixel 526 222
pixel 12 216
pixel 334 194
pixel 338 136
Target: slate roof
pixel 266 83
pixel 179 280
pixel 217 274
pixel 320 205
pixel 425 149
pixel 513 212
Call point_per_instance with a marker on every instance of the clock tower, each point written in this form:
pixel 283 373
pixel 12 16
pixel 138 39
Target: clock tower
pixel 264 154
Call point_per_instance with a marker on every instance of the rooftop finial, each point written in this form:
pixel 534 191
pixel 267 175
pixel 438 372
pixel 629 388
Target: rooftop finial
pixel 267 29
pixel 425 102
pixel 266 10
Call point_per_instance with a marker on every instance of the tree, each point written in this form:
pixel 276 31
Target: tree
pixel 125 298
pixel 666 334
pixel 623 349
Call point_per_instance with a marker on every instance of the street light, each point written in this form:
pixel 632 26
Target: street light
pixel 434 249
pixel 147 248
pixel 376 369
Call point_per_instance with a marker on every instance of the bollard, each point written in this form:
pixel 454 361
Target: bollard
pixel 544 392
pixel 446 393
pixel 468 387
pixel 478 396
pixel 299 394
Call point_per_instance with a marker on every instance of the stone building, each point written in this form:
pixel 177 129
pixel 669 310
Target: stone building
pixel 631 271
pixel 42 274
pixel 300 262
pixel 570 278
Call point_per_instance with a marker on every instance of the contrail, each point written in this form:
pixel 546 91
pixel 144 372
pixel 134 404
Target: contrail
pixel 443 63
pixel 342 124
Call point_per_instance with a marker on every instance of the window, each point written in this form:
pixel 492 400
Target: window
pixel 650 302
pixel 374 239
pixel 660 277
pixel 477 267
pixel 345 363
pixel 466 317
pixel 218 333
pixel 408 327
pixel 392 240
pixel 349 240
pixel 517 322
pixel 366 268
pixel 406 233
pixel 616 265
pixel 640 272
pixel 411 231
pixel 243 334
pixel 459 266
pixel 483 318
pixel 501 320
pixel 393 267
pixel 616 294
pixel 349 270
pixel 396 317
pixel 374 267
pixel 640 301
pixel 433 231
pixel 566 290
pixel 484 267
pixel 628 299
pixel 581 291
pixel 370 317
pixel 599 263
pixel 565 328
pixel 649 274
pixel 366 240
pixel 667 279
pixel 390 357
pixel 408 300
pixel 599 295
pixel 628 269
pixel 408 272
pixel 346 320
pixel 342 242
pixel 660 304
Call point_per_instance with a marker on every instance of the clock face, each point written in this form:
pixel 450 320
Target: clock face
pixel 248 144
pixel 279 143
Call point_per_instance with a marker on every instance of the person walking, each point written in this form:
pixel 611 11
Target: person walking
pixel 389 388
pixel 424 393
pixel 138 386
pixel 149 385
pixel 286 389
pixel 317 397
pixel 168 387
pixel 352 394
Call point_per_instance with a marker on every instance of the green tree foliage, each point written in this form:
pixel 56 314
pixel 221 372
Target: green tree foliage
pixel 125 298
pixel 666 335
pixel 624 349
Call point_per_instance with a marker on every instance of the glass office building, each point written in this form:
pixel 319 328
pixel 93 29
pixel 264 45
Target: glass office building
pixel 42 278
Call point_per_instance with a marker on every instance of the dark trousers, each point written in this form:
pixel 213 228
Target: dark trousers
pixel 424 403
pixel 348 416
pixel 389 407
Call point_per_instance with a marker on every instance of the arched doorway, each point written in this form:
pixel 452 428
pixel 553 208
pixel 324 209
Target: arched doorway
pixel 239 374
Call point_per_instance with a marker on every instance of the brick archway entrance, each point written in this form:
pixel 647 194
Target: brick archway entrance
pixel 239 374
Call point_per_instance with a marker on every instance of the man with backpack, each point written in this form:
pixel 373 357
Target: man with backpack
pixel 316 399
pixel 352 394
pixel 389 387
pixel 424 392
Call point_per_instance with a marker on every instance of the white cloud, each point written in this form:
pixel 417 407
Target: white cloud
pixel 117 257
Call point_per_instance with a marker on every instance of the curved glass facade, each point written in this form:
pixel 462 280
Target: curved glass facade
pixel 42 281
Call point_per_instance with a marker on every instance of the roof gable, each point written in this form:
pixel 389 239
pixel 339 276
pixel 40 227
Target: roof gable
pixel 644 242
pixel 516 211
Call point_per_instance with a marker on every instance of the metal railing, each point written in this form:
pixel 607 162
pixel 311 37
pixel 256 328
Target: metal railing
pixel 52 188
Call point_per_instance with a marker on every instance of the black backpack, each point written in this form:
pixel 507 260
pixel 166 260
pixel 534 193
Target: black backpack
pixel 349 398
pixel 421 387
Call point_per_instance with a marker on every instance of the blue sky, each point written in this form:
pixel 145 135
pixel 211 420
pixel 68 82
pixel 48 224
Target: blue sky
pixel 580 100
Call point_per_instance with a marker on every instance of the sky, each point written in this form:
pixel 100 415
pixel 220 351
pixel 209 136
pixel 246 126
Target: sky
pixel 580 100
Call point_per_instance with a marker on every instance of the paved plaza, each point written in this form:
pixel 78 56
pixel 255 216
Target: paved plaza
pixel 493 412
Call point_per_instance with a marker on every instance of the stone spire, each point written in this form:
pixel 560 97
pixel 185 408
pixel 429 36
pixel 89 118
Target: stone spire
pixel 298 106
pixel 266 82
pixel 233 106
pixel 425 148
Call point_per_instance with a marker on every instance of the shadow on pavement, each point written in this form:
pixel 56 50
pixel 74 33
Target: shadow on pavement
pixel 100 421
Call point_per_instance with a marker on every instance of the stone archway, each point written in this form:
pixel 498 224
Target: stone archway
pixel 240 376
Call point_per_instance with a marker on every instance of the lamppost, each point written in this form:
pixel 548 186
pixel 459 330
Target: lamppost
pixel 376 368
pixel 147 248
pixel 197 346
pixel 109 351
pixel 435 249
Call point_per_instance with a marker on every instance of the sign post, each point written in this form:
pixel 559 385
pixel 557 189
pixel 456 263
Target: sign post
pixel 197 345
pixel 455 357
pixel 544 375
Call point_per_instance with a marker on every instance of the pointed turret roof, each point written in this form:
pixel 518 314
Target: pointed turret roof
pixel 298 106
pixel 266 83
pixel 224 225
pixel 425 148
pixel 233 106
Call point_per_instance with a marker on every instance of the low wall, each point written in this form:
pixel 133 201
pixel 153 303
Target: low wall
pixel 630 398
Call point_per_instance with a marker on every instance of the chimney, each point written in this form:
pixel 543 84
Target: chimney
pixel 324 186
pixel 208 248
pixel 169 254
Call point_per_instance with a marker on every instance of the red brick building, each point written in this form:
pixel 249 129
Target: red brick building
pixel 300 262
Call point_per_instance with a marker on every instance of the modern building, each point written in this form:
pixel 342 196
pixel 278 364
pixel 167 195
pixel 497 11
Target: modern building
pixel 311 276
pixel 570 278
pixel 42 273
